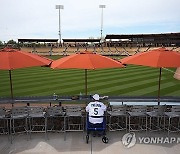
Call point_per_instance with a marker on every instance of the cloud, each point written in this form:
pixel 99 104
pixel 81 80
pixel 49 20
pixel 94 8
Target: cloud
pixel 82 18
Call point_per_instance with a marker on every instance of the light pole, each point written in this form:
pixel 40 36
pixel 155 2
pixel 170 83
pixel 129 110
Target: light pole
pixel 59 7
pixel 102 7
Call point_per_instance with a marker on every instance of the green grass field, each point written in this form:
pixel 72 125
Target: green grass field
pixel 130 81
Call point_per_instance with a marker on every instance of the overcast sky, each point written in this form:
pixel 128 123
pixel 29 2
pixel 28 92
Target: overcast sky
pixel 82 18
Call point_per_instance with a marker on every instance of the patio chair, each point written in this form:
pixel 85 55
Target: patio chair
pixel 37 120
pixel 55 119
pixel 117 117
pixel 156 118
pixel 173 119
pixel 18 121
pixel 137 118
pixel 4 127
pixel 74 119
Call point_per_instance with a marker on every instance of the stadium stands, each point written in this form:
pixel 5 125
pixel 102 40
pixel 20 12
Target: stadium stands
pixel 112 45
pixel 128 116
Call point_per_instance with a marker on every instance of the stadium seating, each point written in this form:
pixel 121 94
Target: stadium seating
pixel 55 119
pixel 37 120
pixel 18 121
pixel 130 117
pixel 137 118
pixel 156 117
pixel 74 119
pixel 105 50
pixel 117 117
pixel 173 119
pixel 3 121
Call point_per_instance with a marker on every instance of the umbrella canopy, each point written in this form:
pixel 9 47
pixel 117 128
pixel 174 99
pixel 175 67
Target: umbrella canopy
pixel 11 59
pixel 155 58
pixel 85 60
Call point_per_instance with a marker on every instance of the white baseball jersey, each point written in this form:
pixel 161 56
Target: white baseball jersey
pixel 95 109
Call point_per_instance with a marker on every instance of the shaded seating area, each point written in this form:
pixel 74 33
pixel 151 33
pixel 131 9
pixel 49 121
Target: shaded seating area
pixel 80 45
pixel 39 46
pixel 62 119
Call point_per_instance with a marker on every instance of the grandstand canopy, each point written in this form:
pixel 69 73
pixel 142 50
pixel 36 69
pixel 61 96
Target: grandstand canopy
pixel 81 40
pixel 154 36
pixel 37 40
pixel 165 39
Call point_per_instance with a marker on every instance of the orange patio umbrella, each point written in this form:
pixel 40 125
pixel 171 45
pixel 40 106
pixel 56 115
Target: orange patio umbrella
pixel 158 58
pixel 87 61
pixel 11 59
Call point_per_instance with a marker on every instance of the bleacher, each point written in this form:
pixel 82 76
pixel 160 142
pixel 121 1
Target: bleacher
pixel 124 51
pixel 136 43
pixel 27 49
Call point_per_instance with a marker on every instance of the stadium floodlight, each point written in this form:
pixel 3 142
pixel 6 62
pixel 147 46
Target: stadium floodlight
pixel 59 7
pixel 102 7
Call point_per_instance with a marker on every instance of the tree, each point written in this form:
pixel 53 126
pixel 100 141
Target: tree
pixel 12 42
pixel 1 43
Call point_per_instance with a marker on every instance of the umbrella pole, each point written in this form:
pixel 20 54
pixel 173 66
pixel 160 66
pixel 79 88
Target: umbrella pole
pixel 10 79
pixel 160 71
pixel 86 82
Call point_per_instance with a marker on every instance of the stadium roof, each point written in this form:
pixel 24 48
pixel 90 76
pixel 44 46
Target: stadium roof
pixel 126 36
pixel 37 40
pixel 81 40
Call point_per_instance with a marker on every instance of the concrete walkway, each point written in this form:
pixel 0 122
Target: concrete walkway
pixel 75 144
